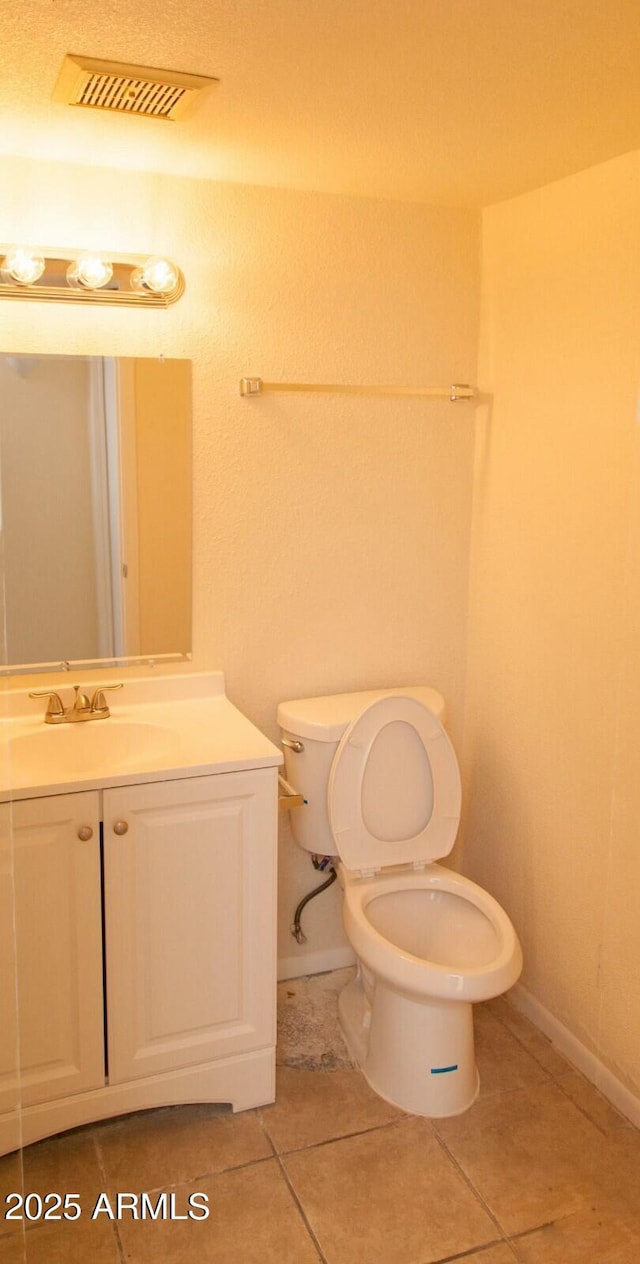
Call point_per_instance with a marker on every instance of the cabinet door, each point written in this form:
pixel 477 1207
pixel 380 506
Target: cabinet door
pixel 9 1081
pixel 190 921
pixel 52 1023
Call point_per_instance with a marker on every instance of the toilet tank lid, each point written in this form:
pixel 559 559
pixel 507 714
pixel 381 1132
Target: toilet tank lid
pixel 325 719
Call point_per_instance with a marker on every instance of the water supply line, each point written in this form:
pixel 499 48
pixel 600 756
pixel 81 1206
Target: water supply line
pixel 322 863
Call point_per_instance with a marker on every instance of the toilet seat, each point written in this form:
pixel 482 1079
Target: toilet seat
pixel 416 975
pixel 358 845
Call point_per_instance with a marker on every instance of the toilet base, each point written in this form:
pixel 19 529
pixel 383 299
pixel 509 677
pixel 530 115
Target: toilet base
pixel 419 1055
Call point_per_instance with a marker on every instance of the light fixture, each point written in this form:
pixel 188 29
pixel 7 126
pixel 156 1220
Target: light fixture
pixel 157 276
pixel 90 271
pixel 78 276
pixel 22 265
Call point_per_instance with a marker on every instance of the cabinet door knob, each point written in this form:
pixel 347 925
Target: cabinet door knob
pixel 85 832
pixel 120 827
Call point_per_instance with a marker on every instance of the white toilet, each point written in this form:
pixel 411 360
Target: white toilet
pixel 382 789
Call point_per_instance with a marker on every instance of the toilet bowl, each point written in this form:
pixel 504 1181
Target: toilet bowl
pixel 382 785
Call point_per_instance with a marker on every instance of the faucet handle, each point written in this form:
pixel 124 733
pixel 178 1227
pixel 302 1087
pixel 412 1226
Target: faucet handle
pixel 54 705
pixel 98 701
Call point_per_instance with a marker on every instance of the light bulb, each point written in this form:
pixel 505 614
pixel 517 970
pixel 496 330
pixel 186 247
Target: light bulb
pixel 159 276
pixel 23 265
pixel 90 271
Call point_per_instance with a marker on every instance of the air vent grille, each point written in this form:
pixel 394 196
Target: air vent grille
pixel 140 90
pixel 136 96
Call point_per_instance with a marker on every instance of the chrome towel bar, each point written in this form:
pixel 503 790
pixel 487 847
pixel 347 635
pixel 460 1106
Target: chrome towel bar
pixel 456 393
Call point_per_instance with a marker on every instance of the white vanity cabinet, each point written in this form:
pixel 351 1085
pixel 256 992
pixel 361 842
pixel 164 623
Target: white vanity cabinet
pixel 175 910
pixel 53 1018
pixel 189 916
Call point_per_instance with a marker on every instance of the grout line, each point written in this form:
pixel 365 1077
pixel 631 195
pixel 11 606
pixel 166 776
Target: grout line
pixel 208 1176
pixel 580 1108
pixel 493 1095
pixel 302 1211
pixel 553 1075
pixel 549 1074
pixel 475 1252
pixel 9 1235
pixel 526 1233
pixel 119 1242
pixel 265 1132
pixel 103 1172
pixel 470 1185
pixel 508 1239
pixel 548 1224
pixel 557 1078
pixel 605 1132
pixel 346 1136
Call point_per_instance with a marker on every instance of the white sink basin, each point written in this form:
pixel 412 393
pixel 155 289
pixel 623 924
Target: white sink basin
pixel 69 752
pixel 161 728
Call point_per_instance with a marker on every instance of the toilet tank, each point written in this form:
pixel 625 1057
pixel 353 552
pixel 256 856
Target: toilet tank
pixel 318 724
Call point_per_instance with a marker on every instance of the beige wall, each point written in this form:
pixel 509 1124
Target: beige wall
pixel 331 535
pixel 553 713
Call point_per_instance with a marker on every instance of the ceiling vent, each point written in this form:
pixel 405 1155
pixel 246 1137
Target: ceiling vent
pixel 139 90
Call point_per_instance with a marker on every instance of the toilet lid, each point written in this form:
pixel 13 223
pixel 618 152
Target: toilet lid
pixel 394 787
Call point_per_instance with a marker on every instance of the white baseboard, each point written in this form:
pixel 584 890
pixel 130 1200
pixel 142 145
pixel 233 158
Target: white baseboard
pixel 315 962
pixel 592 1068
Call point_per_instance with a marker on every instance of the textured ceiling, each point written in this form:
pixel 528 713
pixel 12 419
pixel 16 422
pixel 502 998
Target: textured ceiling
pixel 457 102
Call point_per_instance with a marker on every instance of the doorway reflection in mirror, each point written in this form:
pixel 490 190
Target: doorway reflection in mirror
pixel 95 482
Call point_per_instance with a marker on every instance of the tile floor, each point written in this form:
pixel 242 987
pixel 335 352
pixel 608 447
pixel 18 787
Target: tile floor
pixel 540 1170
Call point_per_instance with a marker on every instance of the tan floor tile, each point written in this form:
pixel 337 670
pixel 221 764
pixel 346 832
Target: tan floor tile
pixel 10 1180
pixel 531 1155
pixel 620 1175
pixel 533 1040
pixel 66 1164
pixel 66 1243
pixel 175 1145
pixel 253 1220
pixel 598 1235
pixel 12 1250
pixel 503 1062
pixel 591 1102
pixel 387 1197
pixel 315 1106
pixel 501 1254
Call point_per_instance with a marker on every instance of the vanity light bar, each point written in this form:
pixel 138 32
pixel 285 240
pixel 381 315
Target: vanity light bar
pixel 78 276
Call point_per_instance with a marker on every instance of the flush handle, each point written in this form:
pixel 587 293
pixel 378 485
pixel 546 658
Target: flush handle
pixel 120 827
pixel 296 746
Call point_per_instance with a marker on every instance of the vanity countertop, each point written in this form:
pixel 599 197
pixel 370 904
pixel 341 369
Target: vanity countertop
pixel 160 729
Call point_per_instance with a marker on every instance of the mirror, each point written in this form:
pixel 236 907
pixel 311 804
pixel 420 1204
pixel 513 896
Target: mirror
pixel 95 497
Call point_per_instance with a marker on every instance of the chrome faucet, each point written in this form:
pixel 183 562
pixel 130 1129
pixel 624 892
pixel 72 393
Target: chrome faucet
pixel 81 708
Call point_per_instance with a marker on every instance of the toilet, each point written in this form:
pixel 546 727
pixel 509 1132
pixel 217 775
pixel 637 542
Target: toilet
pixel 382 795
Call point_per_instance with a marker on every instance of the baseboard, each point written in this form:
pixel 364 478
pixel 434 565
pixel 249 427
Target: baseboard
pixel 315 962
pixel 591 1067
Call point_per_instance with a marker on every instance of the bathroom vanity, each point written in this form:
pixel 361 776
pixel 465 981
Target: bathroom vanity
pixel 138 858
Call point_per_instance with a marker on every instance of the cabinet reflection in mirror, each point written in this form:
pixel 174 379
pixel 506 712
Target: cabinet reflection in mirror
pixel 95 459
